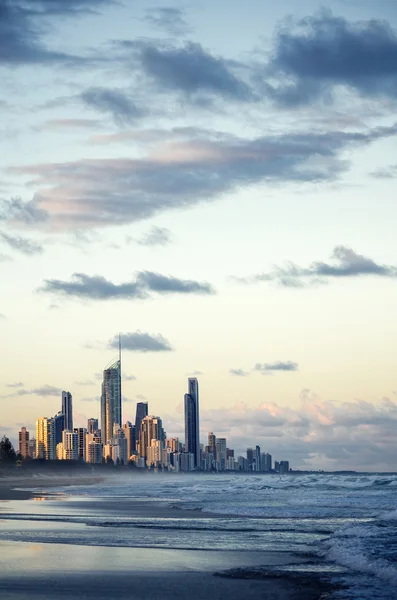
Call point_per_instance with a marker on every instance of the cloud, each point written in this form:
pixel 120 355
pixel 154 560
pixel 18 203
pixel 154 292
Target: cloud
pixel 21 244
pixel 315 434
pixel 157 236
pixel 139 341
pixel 314 55
pixel 347 264
pixel 189 70
pixel 21 29
pixel 18 384
pixel 112 101
pixel 266 368
pixel 141 397
pixel 68 124
pixel 92 193
pixel 239 372
pixel 128 377
pixel 386 172
pixel 84 382
pixel 99 288
pixel 44 390
pixel 90 399
pixel 168 19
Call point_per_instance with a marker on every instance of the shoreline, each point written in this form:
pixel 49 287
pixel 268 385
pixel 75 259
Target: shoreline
pixel 19 487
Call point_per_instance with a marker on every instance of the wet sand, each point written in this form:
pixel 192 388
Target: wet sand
pixel 19 487
pixel 66 571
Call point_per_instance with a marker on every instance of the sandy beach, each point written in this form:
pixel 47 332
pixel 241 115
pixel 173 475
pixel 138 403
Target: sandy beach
pixel 70 570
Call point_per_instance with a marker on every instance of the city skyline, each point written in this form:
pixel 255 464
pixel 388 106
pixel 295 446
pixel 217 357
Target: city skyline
pixel 224 199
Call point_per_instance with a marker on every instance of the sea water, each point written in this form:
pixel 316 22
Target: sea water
pixel 344 525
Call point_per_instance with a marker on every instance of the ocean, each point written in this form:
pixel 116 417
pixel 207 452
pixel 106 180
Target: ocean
pixel 344 526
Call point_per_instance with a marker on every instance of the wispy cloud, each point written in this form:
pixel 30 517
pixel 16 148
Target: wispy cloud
pixel 239 372
pixel 102 192
pixel 44 390
pixel 21 244
pixel 168 19
pixel 266 368
pixel 114 102
pixel 157 236
pixel 99 288
pixel 347 264
pixel 17 384
pixel 139 341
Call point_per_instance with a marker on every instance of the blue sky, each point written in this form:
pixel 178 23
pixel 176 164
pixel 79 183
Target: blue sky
pixel 216 181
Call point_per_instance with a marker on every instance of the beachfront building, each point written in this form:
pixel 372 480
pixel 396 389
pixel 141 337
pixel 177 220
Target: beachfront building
pixel 111 400
pixel 70 445
pixel 23 442
pixel 92 425
pixel 94 452
pixel 130 436
pixel 142 411
pixel 221 454
pixel 151 429
pixel 192 424
pixel 81 437
pixel 32 448
pixel 155 454
pixel 43 438
pixel 67 410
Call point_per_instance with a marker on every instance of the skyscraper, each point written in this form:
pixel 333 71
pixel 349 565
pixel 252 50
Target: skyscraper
pixel 130 436
pixel 141 413
pixel 23 442
pixel 192 426
pixel 57 426
pixel 212 443
pixel 111 400
pixel 221 453
pixel 151 429
pixel 43 438
pixel 81 442
pixel 92 425
pixel 67 410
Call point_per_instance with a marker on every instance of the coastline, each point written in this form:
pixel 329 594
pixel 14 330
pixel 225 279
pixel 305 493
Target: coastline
pixel 37 570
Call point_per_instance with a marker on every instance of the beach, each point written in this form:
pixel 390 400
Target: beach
pixel 92 559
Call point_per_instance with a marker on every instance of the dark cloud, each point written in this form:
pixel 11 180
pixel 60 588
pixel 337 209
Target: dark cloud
pixel 139 341
pixel 44 390
pixel 104 192
pixel 312 56
pixel 347 264
pixel 99 288
pixel 165 284
pixel 95 288
pixel 239 372
pixel 189 70
pixel 112 101
pixel 22 29
pixel 21 244
pixel 157 236
pixel 276 366
pixel 168 19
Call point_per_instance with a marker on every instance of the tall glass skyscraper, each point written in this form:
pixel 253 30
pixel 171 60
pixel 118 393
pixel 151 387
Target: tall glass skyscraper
pixel 192 425
pixel 67 410
pixel 111 400
pixel 141 413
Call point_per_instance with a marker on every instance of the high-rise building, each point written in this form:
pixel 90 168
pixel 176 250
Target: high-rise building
pixel 250 458
pixel 155 454
pixel 92 425
pixel 266 462
pixel 67 410
pixel 172 443
pixel 151 429
pixel 111 400
pixel 130 436
pixel 257 458
pixel 43 438
pixel 212 443
pixel 221 453
pixel 192 424
pixel 57 425
pixel 81 441
pixel 70 445
pixel 32 448
pixel 23 442
pixel 141 413
pixel 94 450
pixel 284 467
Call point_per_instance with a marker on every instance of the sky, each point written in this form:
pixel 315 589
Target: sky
pixel 216 182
